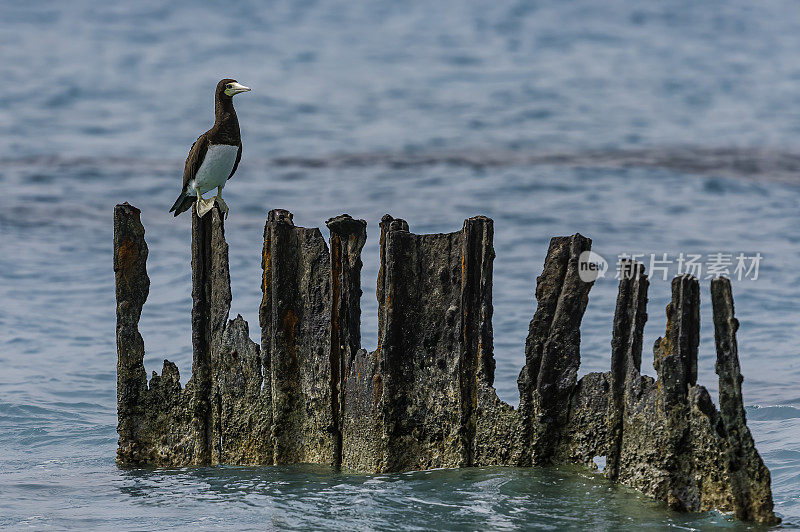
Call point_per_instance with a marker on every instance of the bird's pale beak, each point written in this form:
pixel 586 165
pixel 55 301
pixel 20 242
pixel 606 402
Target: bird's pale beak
pixel 236 88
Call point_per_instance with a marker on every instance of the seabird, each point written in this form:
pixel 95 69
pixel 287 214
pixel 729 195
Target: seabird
pixel 214 156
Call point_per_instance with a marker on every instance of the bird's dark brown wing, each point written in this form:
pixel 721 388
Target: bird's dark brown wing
pixel 195 159
pixel 238 158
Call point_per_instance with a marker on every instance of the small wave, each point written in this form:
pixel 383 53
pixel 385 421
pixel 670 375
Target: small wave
pixel 772 412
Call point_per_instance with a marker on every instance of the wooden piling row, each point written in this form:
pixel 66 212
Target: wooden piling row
pixel 424 398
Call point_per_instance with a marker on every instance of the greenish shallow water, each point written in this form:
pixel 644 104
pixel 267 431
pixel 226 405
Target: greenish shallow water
pixel 314 498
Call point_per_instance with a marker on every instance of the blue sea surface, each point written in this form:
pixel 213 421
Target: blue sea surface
pixel 652 128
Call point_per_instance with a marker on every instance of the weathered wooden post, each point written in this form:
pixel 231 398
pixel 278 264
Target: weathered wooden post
pixel 552 349
pixel 132 287
pixel 211 302
pixel 230 421
pixel 161 423
pixel 310 320
pixel 676 353
pixel 295 334
pixel 630 317
pixel 420 386
pixel 154 421
pixel 347 238
pixel 749 478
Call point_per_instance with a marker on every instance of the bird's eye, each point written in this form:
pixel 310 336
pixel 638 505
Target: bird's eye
pixel 228 86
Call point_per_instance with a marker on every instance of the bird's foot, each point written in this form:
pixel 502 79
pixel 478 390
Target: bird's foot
pixel 203 206
pixel 222 206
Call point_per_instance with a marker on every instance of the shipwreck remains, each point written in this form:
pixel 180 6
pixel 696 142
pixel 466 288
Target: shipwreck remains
pixel 425 398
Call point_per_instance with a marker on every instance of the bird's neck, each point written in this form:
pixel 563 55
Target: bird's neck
pixel 224 111
pixel 226 124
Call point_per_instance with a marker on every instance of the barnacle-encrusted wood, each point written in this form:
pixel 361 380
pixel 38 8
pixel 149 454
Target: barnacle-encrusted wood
pixel 425 398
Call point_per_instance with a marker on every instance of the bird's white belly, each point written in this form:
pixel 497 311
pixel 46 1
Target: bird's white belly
pixel 216 167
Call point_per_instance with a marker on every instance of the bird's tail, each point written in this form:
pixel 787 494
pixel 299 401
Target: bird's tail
pixel 183 203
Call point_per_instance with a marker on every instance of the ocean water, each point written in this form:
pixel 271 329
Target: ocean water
pixel 665 128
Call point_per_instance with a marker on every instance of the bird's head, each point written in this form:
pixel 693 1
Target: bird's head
pixel 228 87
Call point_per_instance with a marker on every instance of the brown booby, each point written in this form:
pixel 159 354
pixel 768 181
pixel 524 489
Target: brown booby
pixel 214 156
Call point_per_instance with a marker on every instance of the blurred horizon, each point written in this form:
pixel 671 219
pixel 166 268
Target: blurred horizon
pixel 329 77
